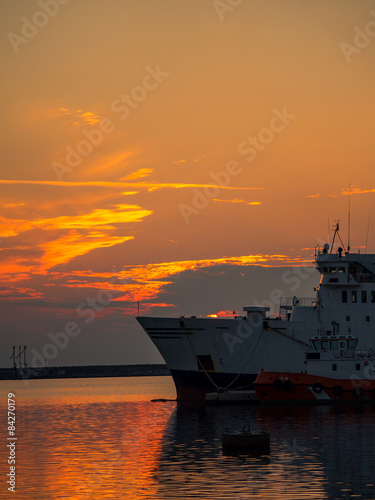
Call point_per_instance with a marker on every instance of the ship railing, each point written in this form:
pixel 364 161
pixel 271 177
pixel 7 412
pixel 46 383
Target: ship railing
pixel 336 330
pixel 364 278
pixel 362 350
pixel 287 304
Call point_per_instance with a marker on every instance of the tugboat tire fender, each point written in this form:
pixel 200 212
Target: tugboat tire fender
pixel 317 387
pixel 288 386
pixel 277 384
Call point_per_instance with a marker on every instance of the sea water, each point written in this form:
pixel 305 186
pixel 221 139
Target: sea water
pixel 106 439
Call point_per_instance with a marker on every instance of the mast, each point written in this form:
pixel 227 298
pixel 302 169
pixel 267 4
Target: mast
pixel 349 220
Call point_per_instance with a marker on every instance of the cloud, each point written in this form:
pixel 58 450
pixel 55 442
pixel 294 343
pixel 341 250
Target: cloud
pixel 148 282
pixel 223 314
pixel 345 191
pixel 150 186
pixel 142 172
pixel 99 218
pixel 20 293
pixel 78 116
pixel 57 240
pixel 74 244
pixel 236 200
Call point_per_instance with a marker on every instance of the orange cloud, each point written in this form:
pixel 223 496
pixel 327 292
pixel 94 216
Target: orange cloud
pixel 356 191
pixel 21 293
pixel 98 218
pixel 79 116
pixel 109 163
pixel 236 200
pixel 223 314
pixel 142 172
pixel 82 233
pixel 118 184
pixel 72 245
pixel 147 282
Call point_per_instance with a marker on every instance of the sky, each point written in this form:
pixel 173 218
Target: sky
pixel 188 155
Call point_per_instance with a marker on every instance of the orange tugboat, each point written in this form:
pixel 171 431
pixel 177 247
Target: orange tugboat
pixel 337 371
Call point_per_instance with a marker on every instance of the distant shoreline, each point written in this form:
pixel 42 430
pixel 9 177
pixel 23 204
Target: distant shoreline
pixel 91 371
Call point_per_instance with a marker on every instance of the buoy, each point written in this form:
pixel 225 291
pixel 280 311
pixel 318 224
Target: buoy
pixel 245 438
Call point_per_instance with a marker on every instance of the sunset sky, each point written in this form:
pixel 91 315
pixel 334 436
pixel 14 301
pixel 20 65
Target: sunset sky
pixel 163 151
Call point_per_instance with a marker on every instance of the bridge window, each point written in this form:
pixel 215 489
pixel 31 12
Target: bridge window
pixel 364 296
pixel 324 345
pixel 351 343
pixel 373 296
pixel 332 269
pixel 354 296
pixel 341 269
pixel 316 344
pixel 334 345
pixel 344 296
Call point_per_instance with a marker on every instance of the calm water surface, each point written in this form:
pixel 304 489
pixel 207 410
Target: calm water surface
pixel 104 438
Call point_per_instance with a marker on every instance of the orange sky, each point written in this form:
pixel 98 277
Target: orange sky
pixel 145 141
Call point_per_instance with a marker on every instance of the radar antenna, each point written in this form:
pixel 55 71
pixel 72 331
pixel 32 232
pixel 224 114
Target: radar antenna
pixel 336 233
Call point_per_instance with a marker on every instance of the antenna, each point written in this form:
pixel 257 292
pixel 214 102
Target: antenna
pixel 13 357
pixel 349 220
pixel 368 228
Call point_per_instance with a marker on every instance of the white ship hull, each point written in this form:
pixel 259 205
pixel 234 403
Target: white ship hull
pixel 208 354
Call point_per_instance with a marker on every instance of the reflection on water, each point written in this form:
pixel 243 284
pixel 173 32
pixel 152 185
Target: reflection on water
pixel 104 439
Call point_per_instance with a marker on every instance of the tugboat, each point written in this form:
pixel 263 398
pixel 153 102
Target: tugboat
pixel 337 371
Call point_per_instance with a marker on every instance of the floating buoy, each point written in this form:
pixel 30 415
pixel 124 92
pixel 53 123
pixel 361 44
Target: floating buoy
pixel 245 438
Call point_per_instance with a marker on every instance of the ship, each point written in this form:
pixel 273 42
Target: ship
pixel 337 370
pixel 205 355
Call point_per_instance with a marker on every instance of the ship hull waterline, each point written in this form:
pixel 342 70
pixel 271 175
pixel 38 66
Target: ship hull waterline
pixel 300 388
pixel 193 385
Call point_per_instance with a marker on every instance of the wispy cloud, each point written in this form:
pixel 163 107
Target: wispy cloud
pixel 354 190
pixel 236 200
pixel 222 314
pixel 150 186
pixel 60 239
pixel 78 116
pixel 74 244
pixel 147 282
pixel 94 219
pixel 142 172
